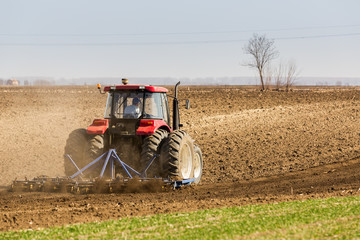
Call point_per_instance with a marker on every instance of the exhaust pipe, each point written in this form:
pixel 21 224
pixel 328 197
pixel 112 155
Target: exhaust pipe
pixel 176 118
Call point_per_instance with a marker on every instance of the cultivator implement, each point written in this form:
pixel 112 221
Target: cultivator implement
pixel 105 182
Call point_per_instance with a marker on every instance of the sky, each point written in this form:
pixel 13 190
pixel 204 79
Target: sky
pixel 188 38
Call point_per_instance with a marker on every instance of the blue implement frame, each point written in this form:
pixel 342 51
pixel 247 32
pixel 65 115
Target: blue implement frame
pixel 111 157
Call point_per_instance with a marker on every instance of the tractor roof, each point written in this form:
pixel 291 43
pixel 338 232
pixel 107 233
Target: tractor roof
pixel 135 87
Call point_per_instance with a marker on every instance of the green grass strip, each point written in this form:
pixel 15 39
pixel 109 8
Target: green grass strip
pixel 320 218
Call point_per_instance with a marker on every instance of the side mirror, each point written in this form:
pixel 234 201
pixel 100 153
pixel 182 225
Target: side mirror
pixel 187 104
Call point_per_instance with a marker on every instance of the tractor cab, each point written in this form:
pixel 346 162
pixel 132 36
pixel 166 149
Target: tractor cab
pixel 137 104
pixel 136 109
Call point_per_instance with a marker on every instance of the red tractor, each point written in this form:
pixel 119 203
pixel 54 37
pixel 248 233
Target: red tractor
pixel 137 125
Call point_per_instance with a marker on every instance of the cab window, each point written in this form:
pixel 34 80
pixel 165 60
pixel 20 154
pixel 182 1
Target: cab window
pixel 152 108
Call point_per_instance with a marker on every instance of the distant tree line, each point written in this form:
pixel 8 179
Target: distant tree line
pixel 15 82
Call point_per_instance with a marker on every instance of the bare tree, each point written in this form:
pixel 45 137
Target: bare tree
pixel 278 77
pixel 263 51
pixel 291 75
pixel 268 77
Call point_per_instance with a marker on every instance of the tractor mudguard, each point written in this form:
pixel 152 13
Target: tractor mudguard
pixel 99 126
pixel 149 126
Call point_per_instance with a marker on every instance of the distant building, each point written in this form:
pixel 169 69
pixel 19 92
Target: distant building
pixel 12 82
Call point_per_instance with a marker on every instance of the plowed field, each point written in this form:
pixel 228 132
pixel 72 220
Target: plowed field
pixel 257 147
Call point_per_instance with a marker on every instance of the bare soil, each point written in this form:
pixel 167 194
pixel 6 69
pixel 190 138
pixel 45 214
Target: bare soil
pixel 257 148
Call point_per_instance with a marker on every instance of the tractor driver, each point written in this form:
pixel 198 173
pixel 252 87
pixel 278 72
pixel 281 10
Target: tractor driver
pixel 133 111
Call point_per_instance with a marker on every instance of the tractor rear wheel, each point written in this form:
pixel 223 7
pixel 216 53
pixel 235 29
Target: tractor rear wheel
pixel 76 147
pixel 151 146
pixel 179 155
